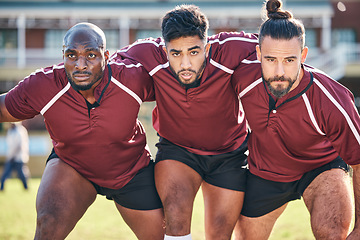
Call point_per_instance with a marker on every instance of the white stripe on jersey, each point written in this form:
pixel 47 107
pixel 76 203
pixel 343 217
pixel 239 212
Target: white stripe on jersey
pixel 251 86
pixel 244 39
pixel 41 70
pixel 141 42
pixel 126 89
pixel 245 61
pixel 311 114
pixel 127 66
pixel 55 98
pixel 158 67
pixel 222 67
pixel 321 72
pixel 317 71
pixel 218 65
pixel 341 109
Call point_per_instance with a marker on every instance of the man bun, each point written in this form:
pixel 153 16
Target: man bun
pixel 274 11
pixel 280 24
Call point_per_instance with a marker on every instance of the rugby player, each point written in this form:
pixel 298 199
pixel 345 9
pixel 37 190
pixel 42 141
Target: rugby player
pixel 198 118
pixel 304 134
pixel 90 107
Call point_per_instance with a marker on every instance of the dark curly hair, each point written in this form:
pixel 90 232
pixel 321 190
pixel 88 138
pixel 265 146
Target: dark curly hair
pixel 184 21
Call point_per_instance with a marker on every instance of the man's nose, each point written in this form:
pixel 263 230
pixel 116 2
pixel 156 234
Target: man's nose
pixel 81 63
pixel 185 62
pixel 279 71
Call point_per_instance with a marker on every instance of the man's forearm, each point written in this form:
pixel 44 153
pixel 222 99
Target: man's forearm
pixel 5 116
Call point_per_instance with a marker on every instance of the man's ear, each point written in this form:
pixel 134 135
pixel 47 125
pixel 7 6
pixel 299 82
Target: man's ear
pixel 207 49
pixel 107 55
pixel 304 53
pixel 258 53
pixel 164 48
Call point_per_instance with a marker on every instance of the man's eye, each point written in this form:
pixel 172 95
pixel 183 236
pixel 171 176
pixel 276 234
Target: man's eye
pixel 176 54
pixel 194 52
pixel 91 55
pixel 71 55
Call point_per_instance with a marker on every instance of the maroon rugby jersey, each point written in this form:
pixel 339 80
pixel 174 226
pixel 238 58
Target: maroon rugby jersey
pixel 206 119
pixel 307 128
pixel 107 144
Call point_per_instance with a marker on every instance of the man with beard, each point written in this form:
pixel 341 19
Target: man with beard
pixel 90 107
pixel 202 130
pixel 305 129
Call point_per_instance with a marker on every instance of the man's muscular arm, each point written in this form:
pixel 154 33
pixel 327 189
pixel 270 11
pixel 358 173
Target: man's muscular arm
pixel 5 116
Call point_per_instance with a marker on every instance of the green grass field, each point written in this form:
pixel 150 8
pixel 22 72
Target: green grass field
pixel 102 221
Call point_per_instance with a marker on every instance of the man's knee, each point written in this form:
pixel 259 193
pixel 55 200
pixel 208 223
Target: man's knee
pixel 53 222
pixel 178 209
pixel 220 225
pixel 45 220
pixel 332 222
pixel 178 204
pixel 45 225
pixel 177 220
pixel 177 197
pixel 330 233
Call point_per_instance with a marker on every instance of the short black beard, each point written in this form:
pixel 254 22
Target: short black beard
pixel 80 87
pixel 195 83
pixel 282 92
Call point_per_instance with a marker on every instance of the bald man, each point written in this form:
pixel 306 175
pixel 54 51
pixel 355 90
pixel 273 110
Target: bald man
pixel 90 107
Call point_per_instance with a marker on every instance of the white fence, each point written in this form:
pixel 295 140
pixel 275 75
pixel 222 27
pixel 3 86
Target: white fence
pixel 332 62
pixel 31 58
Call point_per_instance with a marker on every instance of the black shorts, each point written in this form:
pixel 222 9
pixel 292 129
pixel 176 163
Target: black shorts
pixel 263 196
pixel 227 170
pixel 139 194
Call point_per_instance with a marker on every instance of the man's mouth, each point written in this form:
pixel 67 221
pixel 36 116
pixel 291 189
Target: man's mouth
pixel 81 77
pixel 186 75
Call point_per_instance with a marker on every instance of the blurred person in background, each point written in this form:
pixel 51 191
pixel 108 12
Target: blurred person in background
pixel 17 156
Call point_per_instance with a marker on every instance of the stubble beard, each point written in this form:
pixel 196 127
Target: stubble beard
pixel 278 91
pixel 196 82
pixel 85 87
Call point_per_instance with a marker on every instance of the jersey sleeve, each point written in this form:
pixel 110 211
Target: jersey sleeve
pixel 231 48
pixel 134 76
pixel 149 52
pixel 30 95
pixel 248 71
pixel 18 100
pixel 340 120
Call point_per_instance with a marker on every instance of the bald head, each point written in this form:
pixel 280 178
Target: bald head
pixel 85 56
pixel 85 32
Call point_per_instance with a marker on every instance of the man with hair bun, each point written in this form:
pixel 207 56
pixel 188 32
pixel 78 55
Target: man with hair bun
pixel 305 132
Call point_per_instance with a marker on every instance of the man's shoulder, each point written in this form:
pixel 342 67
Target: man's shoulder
pixel 144 44
pixel 328 92
pixel 131 76
pixel 230 48
pixel 128 70
pixel 149 52
pixel 233 37
pixel 43 79
pixel 323 80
